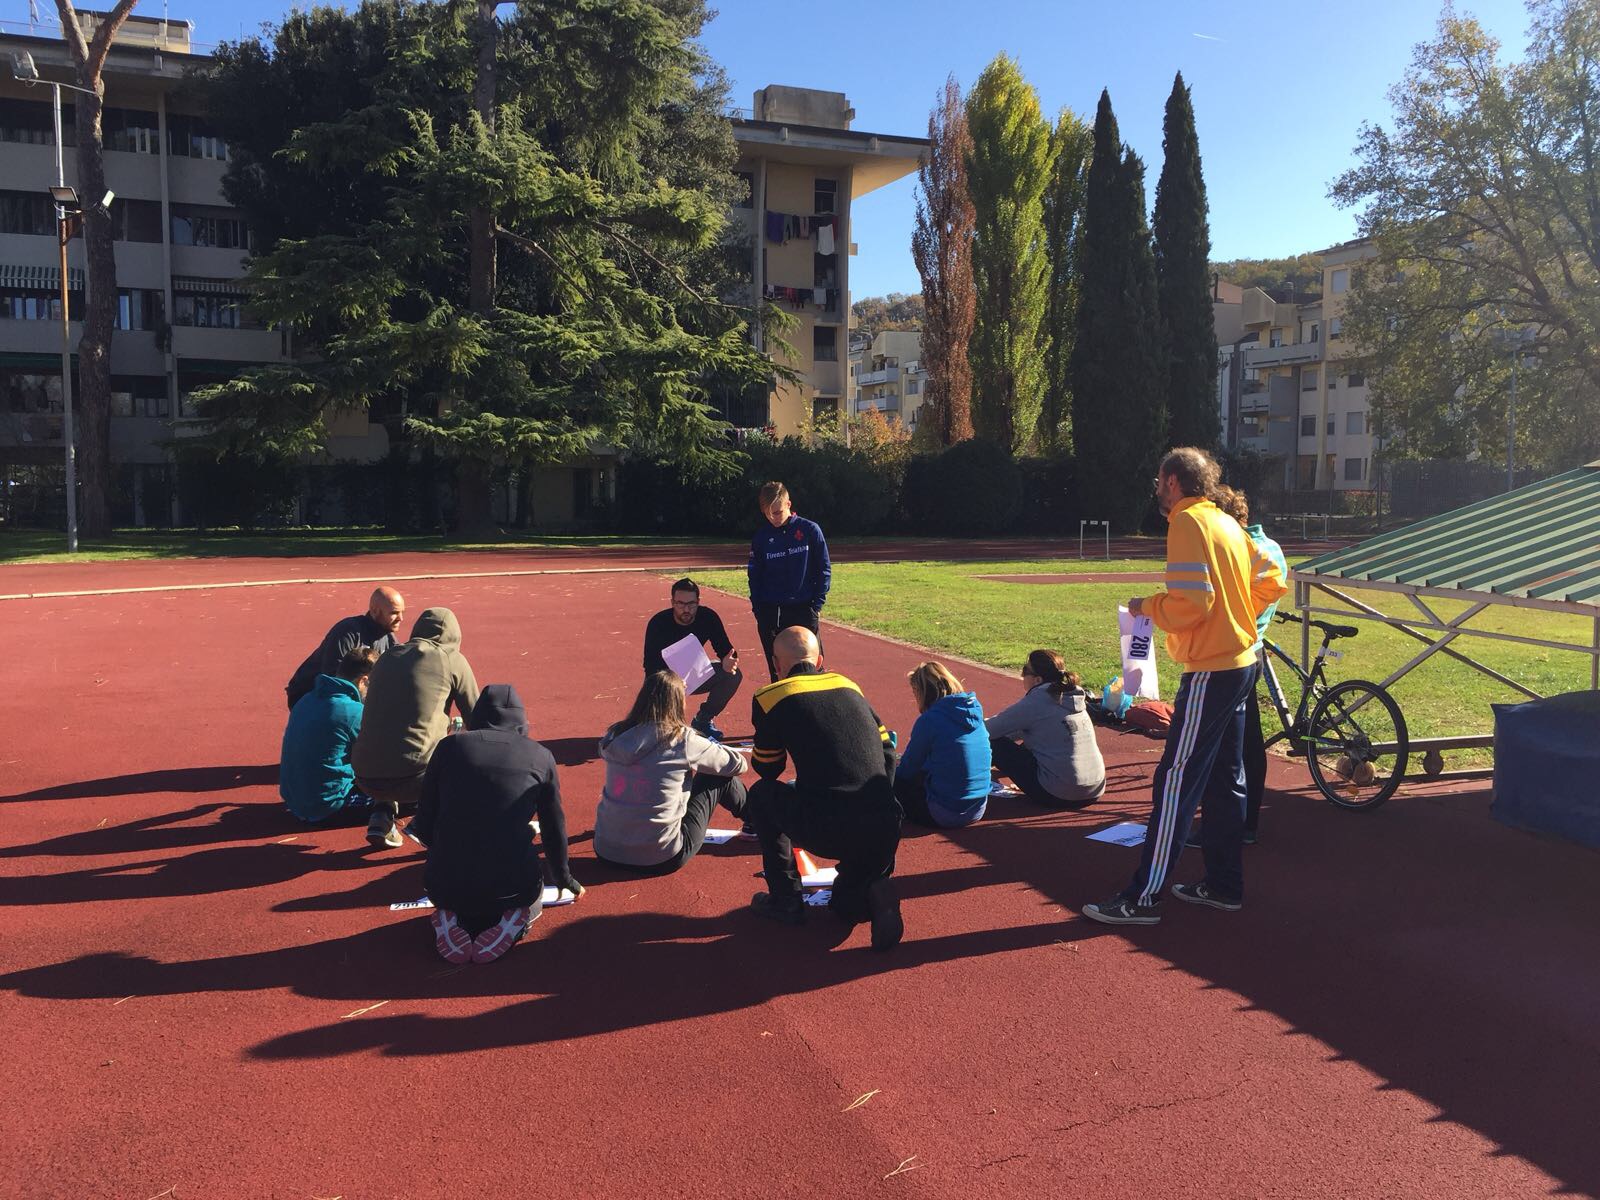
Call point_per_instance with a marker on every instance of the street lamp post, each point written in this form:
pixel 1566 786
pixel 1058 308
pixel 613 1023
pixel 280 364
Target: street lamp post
pixel 67 208
pixel 1515 340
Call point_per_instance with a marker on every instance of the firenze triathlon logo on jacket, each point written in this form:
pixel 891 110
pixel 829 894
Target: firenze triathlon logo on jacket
pixel 799 535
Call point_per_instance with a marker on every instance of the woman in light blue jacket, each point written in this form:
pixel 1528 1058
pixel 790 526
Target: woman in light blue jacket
pixel 943 776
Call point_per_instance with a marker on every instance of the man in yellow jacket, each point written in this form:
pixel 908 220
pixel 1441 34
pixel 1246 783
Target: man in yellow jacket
pixel 1216 584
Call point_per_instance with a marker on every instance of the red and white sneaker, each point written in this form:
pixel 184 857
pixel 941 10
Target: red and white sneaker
pixel 453 943
pixel 497 939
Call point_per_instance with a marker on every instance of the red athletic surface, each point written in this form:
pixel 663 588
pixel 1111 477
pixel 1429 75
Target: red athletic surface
pixel 1406 1006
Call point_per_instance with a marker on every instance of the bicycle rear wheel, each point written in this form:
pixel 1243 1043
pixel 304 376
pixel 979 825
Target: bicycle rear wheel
pixel 1356 745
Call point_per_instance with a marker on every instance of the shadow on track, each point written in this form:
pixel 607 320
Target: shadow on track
pixel 178 779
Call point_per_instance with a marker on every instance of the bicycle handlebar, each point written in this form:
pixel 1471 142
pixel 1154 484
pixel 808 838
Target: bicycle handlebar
pixel 1333 631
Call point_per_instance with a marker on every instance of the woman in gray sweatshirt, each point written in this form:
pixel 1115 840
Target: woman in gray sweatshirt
pixel 1057 762
pixel 663 781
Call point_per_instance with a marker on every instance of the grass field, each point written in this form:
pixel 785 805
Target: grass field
pixel 943 606
pixel 38 546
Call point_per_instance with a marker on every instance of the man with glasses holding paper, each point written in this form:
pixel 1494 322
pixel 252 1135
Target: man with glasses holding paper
pixel 675 640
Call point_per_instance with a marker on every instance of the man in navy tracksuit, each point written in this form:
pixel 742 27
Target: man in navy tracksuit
pixel 789 570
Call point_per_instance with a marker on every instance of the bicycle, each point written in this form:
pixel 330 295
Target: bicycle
pixel 1356 762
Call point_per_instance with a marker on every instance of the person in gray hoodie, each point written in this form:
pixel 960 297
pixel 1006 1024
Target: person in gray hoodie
pixel 1058 761
pixel 407 712
pixel 663 781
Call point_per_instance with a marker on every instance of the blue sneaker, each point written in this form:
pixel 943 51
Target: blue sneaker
pixel 708 729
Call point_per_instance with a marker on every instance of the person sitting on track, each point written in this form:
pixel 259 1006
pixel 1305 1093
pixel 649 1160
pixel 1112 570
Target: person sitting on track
pixel 943 776
pixel 374 629
pixel 688 617
pixel 481 790
pixel 841 803
pixel 315 777
pixel 408 711
pixel 664 779
pixel 1058 762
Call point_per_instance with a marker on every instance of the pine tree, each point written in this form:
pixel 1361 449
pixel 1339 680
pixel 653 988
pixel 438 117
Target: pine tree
pixel 1007 172
pixel 1063 212
pixel 1119 373
pixel 941 245
pixel 1183 277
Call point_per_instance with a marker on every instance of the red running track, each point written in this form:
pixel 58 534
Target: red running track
pixel 202 1000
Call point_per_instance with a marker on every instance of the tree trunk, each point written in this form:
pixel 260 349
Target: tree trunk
pixel 474 499
pixel 472 476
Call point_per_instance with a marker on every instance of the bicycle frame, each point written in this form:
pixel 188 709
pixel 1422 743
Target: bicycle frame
pixel 1294 727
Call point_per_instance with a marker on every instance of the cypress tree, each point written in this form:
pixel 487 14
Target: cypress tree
pixel 1119 371
pixel 1007 173
pixel 1063 215
pixel 1183 277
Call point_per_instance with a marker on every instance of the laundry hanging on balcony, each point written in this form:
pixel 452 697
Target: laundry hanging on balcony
pixel 823 298
pixel 783 227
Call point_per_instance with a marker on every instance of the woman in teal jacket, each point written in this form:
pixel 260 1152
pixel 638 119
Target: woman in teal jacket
pixel 315 777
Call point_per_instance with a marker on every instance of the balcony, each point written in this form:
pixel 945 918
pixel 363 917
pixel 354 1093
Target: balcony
pixel 887 375
pixel 1284 356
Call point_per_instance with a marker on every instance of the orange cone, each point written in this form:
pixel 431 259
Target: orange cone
pixel 804 863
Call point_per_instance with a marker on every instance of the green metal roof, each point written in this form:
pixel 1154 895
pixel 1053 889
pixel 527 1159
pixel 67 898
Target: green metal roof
pixel 1540 542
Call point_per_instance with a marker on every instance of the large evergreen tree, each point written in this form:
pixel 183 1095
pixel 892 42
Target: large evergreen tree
pixel 1073 142
pixel 1007 172
pixel 1183 279
pixel 941 245
pixel 363 157
pixel 1119 372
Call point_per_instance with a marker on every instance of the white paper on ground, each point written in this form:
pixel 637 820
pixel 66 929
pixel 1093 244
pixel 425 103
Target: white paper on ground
pixel 552 898
pixel 819 898
pixel 1138 655
pixel 717 837
pixel 1128 833
pixel 821 877
pixel 688 658
pixel 1004 789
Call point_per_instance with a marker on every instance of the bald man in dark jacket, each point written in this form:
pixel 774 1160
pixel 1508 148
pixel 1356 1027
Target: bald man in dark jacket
pixel 481 789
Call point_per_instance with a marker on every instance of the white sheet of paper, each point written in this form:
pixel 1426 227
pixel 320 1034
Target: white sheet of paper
pixel 1138 635
pixel 718 837
pixel 821 877
pixel 1128 833
pixel 551 898
pixel 688 658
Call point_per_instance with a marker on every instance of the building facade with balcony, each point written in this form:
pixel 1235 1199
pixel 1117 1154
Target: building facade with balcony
pixel 886 374
pixel 182 321
pixel 805 168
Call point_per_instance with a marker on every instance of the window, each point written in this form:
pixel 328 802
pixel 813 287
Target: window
pixel 747 193
pixel 825 270
pixel 1355 379
pixel 1333 381
pixel 37 304
pixel 825 196
pixel 1355 470
pixel 1308 380
pixel 195 229
pixel 1316 333
pixel 1308 427
pixel 131 130
pixel 138 308
pixel 1355 422
pixel 135 220
pixel 1339 281
pixel 913 387
pixel 1335 328
pixel 824 410
pixel 33 123
pixel 30 393
pixel 191 137
pixel 27 212
pixel 1333 426
pixel 825 343
pixel 211 310
pixel 138 396
pixel 1275 339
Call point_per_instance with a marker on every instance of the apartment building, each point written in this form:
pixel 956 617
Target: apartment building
pixel 1287 389
pixel 180 249
pixel 886 374
pixel 805 168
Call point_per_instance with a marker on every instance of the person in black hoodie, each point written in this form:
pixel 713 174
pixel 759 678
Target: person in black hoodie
pixel 481 790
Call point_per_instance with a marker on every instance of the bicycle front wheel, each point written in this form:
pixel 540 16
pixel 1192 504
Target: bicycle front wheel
pixel 1356 745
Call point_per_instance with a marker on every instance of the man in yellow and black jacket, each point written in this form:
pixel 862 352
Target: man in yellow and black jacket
pixel 841 804
pixel 1217 583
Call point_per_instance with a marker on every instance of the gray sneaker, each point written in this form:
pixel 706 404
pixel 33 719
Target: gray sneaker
pixel 1200 893
pixel 382 830
pixel 1121 911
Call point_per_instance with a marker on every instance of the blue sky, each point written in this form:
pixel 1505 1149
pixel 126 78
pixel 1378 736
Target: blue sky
pixel 1279 92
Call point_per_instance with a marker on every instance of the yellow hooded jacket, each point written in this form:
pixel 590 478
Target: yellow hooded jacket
pixel 1217 584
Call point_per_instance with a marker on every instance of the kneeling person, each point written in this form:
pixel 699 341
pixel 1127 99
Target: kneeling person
pixel 841 804
pixel 663 782
pixel 688 618
pixel 481 790
pixel 315 777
